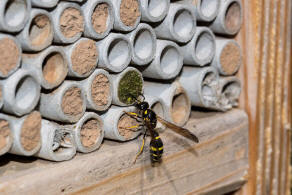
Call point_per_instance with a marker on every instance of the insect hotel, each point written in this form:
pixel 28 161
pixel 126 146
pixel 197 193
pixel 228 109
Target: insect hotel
pixel 145 97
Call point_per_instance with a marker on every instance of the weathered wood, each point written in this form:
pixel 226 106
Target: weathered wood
pixel 219 161
pixel 265 38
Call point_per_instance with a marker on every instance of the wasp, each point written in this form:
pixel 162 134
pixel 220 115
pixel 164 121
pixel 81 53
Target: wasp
pixel 148 118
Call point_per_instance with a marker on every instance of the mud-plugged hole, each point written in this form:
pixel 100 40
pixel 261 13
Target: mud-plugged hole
pixel 180 108
pixel 118 52
pixel 26 91
pixel 4 133
pixel 233 17
pixel 72 101
pixel 230 58
pixel 54 68
pixel 30 131
pixel 40 30
pixel 183 23
pixel 125 126
pixel 100 90
pixel 129 12
pixel 71 22
pixel 169 59
pixel 100 18
pixel 143 44
pixel 15 12
pixel 90 132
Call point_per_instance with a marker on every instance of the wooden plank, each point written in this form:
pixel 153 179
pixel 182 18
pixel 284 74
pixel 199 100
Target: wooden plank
pixel 222 151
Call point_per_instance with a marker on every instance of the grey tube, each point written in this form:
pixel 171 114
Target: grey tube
pixel 229 90
pixel 154 11
pixel 229 19
pixel 14 14
pixel 117 124
pixel 67 103
pixel 179 25
pixel 117 79
pixel 88 132
pixel 21 92
pixel 129 18
pixel 174 96
pixel 50 65
pixel 6 137
pixel 57 142
pixel 44 3
pixel 167 63
pixel 201 85
pixel 228 56
pixel 26 133
pixel 201 49
pixel 38 32
pixel 143 40
pixel 95 12
pixel 10 55
pixel 115 52
pixel 82 57
pixel 98 90
pixel 70 28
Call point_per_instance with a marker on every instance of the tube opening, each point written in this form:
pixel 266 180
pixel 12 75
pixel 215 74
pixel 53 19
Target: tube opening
pixel 180 108
pixel 230 58
pixel 127 126
pixel 231 91
pixel 208 90
pixel 63 142
pixel 233 17
pixel 209 8
pixel 183 23
pixel 54 68
pixel 26 92
pixel 100 90
pixel 169 59
pixel 118 52
pixel 4 134
pixel 72 102
pixel 157 8
pixel 205 46
pixel 143 44
pixel 40 30
pixel 100 18
pixel 15 12
pixel 30 136
pixel 90 132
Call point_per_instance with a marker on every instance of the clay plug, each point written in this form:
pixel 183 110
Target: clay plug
pixel 130 81
pixel 65 104
pixel 6 137
pixel 50 65
pixel 98 90
pixel 68 22
pixel 88 132
pixel 201 85
pixel 154 11
pixel 57 142
pixel 82 57
pixel 14 15
pixel 120 126
pixel 26 133
pixel 21 92
pixel 98 18
pixel 176 101
pixel 127 14
pixel 38 32
pixel 228 57
pixel 10 55
pixel 229 19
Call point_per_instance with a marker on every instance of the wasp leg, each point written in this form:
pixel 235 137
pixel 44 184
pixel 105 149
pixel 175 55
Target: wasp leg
pixel 135 116
pixel 141 148
pixel 132 128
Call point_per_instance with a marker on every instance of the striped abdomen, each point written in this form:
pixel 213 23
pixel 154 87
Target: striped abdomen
pixel 156 148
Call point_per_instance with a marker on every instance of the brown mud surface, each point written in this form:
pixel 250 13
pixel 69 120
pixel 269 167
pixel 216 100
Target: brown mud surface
pixel 129 12
pixel 99 18
pixel 123 126
pixel 71 22
pixel 9 54
pixel 90 132
pixel 100 90
pixel 72 102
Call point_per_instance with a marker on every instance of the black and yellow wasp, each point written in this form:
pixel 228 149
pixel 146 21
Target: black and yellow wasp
pixel 149 120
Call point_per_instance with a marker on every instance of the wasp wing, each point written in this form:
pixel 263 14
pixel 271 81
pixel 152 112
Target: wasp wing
pixel 179 130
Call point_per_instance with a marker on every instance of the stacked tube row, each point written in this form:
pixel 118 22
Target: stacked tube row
pixel 67 67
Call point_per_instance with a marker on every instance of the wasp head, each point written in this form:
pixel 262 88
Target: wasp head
pixel 142 105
